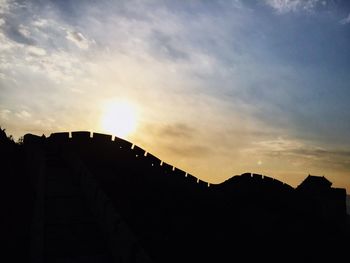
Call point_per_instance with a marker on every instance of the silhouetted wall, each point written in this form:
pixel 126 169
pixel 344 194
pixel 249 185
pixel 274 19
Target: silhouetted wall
pixel 177 215
pixel 123 244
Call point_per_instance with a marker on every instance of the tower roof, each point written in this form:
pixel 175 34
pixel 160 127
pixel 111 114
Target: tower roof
pixel 315 182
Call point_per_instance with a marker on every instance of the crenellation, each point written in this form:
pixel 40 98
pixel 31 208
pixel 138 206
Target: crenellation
pixel 277 182
pixel 122 144
pixel 81 135
pixel 33 140
pixel 246 175
pixel 101 138
pixel 202 184
pixel 180 173
pixel 137 151
pixel 191 178
pixel 154 161
pixel 59 137
pixel 267 180
pixel 167 168
pixel 257 176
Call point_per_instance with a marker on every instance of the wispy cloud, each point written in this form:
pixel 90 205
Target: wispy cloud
pixel 285 6
pixel 36 51
pixel 345 20
pixel 23 114
pixel 177 130
pixel 4 114
pixel 78 39
pixel 301 154
pixel 4 6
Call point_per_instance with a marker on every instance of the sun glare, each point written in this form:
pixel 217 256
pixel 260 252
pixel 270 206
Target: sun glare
pixel 119 118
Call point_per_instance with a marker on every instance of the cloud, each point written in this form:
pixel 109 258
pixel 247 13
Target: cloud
pixel 36 51
pixel 278 145
pixel 4 114
pixel 40 23
pixel 345 21
pixel 178 139
pixel 35 47
pixel 189 150
pixel 19 34
pixel 78 39
pixel 4 6
pixel 177 130
pixel 285 6
pixel 24 30
pixel 168 46
pixel 23 114
pixel 298 153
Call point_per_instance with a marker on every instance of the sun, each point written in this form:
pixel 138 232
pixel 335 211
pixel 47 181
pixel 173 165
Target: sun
pixel 119 118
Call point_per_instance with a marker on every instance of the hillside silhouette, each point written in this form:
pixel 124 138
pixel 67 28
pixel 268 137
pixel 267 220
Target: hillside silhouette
pixel 83 197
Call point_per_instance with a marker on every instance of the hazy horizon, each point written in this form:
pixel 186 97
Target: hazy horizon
pixel 216 88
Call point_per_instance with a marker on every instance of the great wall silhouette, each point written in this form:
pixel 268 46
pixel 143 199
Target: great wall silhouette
pixel 89 197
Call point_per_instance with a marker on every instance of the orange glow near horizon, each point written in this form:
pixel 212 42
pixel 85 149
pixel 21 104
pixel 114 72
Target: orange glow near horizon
pixel 119 118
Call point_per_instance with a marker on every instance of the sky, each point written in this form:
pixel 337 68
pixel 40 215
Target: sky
pixel 216 88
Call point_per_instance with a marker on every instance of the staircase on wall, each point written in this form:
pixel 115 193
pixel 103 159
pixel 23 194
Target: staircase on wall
pixel 71 231
pixel 73 219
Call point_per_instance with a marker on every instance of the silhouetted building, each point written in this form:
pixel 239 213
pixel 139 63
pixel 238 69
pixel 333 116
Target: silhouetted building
pixel 319 199
pixel 315 184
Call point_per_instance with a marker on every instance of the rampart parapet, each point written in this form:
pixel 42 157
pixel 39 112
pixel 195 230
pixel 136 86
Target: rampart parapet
pixel 165 210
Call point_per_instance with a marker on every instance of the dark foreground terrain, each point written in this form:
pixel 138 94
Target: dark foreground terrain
pixel 84 197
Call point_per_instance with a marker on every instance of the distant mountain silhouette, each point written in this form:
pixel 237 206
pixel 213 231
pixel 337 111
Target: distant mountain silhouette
pixel 82 197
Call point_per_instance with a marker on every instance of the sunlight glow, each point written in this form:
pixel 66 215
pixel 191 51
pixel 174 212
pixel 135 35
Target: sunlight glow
pixel 119 118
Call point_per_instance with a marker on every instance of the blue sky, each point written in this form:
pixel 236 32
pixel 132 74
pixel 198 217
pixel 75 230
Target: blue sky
pixel 220 87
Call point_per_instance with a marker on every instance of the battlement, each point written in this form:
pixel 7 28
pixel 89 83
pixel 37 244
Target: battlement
pixel 85 138
pixel 104 147
pixel 166 208
pixel 259 180
pixel 145 157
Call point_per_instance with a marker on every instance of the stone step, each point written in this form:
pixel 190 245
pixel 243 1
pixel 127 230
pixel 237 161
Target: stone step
pixel 66 207
pixel 97 258
pixel 71 231
pixel 74 239
pixel 62 187
pixel 56 219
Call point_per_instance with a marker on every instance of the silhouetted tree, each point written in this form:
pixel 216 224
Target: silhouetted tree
pixel 3 136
